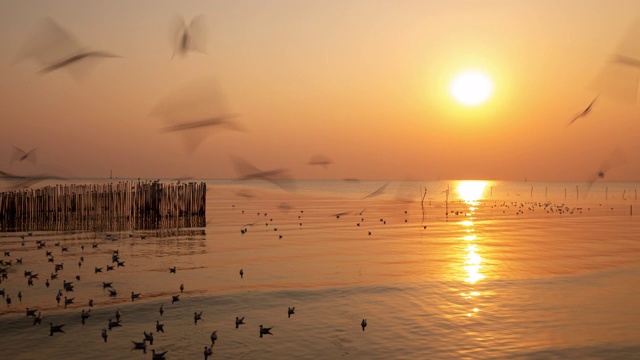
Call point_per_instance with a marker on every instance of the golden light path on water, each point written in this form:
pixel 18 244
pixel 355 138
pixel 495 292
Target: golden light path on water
pixel 470 192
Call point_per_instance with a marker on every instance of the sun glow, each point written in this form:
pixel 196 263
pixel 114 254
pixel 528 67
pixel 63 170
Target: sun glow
pixel 471 190
pixel 471 88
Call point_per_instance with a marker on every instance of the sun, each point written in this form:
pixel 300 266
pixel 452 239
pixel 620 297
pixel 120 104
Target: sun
pixel 472 88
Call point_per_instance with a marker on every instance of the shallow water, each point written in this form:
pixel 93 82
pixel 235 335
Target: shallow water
pixel 517 270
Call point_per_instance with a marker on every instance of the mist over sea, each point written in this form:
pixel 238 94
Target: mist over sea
pixel 439 269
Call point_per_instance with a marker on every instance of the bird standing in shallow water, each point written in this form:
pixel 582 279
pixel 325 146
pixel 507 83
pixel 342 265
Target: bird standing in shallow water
pixel 159 327
pixel 161 310
pixel 214 337
pixel 241 274
pixel 181 287
pixel 291 311
pixel 105 335
pixel 363 324
pixel 196 317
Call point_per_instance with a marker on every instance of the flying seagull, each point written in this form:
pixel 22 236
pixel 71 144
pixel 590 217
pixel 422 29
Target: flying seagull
pixel 320 160
pixel 189 37
pixel 247 171
pixel 22 155
pixel 55 48
pixel 583 113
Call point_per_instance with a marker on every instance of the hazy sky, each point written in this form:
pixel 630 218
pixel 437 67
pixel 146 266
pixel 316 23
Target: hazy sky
pixel 364 83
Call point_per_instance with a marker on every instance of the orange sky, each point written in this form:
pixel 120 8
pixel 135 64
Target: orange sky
pixel 364 83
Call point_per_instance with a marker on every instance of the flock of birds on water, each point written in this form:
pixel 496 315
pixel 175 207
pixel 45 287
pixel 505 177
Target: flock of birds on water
pixel 63 297
pixel 63 290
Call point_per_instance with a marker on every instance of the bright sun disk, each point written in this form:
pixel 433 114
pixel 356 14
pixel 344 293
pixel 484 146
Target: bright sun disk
pixel 471 88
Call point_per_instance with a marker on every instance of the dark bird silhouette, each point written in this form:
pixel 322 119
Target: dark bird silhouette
pixel 239 321
pixel 22 155
pixel 378 191
pixel 214 337
pixel 85 315
pixel 161 310
pixel 584 113
pixel 140 346
pixel 25 181
pixel 55 48
pixel 38 319
pixel 197 316
pixel 208 351
pixel 158 356
pixel 615 159
pixel 291 311
pixel 265 331
pixel 134 296
pixel 105 335
pixel 247 171
pixel 363 324
pixel 159 327
pixel 189 37
pixel 55 329
pixel 175 298
pixel 149 337
pixel 320 160
pixel 195 111
pixel 113 324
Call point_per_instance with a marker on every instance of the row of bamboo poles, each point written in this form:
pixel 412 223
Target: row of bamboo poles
pixel 137 205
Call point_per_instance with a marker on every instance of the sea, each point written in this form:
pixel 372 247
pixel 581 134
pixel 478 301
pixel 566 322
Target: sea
pixel 438 269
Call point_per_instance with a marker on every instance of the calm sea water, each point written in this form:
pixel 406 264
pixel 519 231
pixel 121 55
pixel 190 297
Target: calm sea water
pixel 488 270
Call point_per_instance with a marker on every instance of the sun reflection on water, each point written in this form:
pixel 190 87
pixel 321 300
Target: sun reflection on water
pixel 471 192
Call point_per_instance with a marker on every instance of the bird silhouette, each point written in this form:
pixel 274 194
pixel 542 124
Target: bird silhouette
pixel 55 48
pixel 22 155
pixel 188 37
pixel 584 113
